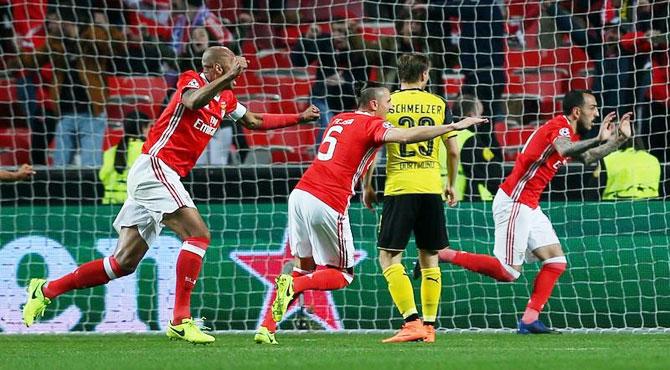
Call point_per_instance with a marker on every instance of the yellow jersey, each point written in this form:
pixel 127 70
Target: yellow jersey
pixel 415 168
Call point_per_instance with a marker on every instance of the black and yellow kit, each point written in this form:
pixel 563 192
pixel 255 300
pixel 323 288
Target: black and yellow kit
pixel 412 196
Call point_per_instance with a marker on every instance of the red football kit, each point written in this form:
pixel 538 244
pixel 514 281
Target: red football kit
pixel 180 135
pixel 538 162
pixel 345 154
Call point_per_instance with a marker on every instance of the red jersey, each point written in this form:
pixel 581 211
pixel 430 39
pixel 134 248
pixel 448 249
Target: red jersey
pixel 347 150
pixel 180 135
pixel 538 162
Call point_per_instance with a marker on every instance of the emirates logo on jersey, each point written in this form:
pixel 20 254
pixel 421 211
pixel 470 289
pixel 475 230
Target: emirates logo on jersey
pixel 201 126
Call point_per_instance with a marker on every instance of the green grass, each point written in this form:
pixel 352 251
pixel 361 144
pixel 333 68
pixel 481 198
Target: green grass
pixel 338 351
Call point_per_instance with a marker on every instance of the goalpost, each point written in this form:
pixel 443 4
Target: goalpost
pixel 519 57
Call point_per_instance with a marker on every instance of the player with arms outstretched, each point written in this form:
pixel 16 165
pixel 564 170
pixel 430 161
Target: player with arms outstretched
pixel 156 196
pixel 523 233
pixel 319 231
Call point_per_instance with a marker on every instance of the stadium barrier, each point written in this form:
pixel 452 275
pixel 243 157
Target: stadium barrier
pixel 618 277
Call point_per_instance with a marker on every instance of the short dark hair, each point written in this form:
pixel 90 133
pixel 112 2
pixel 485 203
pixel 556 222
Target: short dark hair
pixel 368 91
pixel 464 105
pixel 411 66
pixel 574 98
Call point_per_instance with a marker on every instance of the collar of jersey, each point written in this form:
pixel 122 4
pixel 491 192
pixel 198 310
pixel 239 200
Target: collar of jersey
pixel 361 112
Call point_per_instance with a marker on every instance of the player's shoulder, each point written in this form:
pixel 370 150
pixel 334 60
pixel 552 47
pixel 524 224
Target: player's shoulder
pixel 559 123
pixel 425 96
pixel 190 73
pixel 191 78
pixel 227 95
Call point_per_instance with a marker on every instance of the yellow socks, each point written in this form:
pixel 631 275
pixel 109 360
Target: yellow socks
pixel 431 288
pixel 401 289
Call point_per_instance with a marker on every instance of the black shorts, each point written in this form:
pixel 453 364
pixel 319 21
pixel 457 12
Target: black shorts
pixel 421 213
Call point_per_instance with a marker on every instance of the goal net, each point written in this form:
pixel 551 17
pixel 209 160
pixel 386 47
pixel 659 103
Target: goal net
pixel 79 78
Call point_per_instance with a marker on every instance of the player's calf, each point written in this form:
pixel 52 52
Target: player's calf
pixel 480 263
pixel 551 271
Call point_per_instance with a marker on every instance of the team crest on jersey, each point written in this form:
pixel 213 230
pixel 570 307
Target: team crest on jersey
pixel 193 83
pixel 223 106
pixel 564 132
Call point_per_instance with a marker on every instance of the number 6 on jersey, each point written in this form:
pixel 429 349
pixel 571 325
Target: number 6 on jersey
pixel 331 141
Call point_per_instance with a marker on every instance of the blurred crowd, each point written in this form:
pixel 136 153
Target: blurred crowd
pixel 59 56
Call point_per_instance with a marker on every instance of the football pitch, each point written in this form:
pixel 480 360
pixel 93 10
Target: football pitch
pixel 316 351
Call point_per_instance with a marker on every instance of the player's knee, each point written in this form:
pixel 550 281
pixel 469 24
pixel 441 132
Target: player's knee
pixel 508 273
pixel 202 234
pixel 558 264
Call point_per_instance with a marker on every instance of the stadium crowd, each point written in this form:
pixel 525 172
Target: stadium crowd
pixel 63 61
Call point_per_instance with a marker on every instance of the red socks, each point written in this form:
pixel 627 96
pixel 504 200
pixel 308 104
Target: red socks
pixel 268 322
pixel 90 274
pixel 189 263
pixel 479 263
pixel 544 284
pixel 326 279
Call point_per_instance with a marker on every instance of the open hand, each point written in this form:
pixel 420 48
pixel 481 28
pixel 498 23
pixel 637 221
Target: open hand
pixel 469 121
pixel 625 129
pixel 607 127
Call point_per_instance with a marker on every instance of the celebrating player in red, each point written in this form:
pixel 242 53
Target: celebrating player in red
pixel 522 231
pixel 156 196
pixel 319 232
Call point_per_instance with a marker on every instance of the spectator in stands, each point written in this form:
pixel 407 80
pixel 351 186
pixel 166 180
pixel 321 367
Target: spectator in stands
pixel 23 173
pixel 79 52
pixel 481 53
pixel 118 159
pixel 343 57
pixel 623 181
pixel 143 53
pixel 242 31
pixel 652 39
pixel 151 16
pixel 618 81
pixel 196 14
pixel 412 37
pixel 192 56
pixel 481 170
pixel 30 24
pixel 582 20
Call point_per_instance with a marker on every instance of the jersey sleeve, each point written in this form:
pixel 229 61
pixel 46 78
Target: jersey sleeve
pixel 560 130
pixel 187 81
pixel 377 129
pixel 233 109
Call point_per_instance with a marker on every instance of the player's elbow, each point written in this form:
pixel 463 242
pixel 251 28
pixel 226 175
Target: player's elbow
pixel 397 136
pixel 190 103
pixel 251 121
pixel 584 158
pixel 192 100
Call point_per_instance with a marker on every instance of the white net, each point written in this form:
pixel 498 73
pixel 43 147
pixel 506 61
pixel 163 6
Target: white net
pixel 79 77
